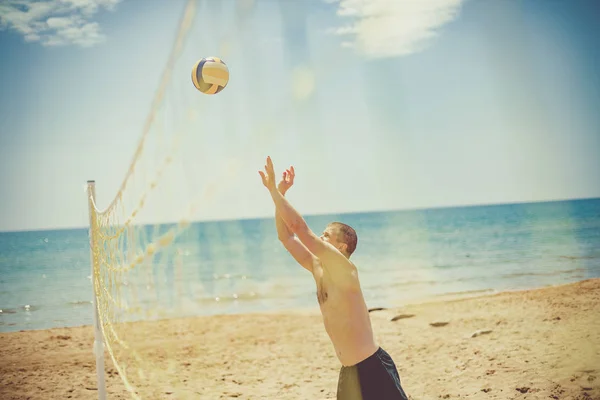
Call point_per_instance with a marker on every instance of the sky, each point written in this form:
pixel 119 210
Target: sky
pixel 378 104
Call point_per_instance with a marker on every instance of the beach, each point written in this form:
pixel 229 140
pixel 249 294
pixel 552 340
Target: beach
pixel 534 344
pixel 143 257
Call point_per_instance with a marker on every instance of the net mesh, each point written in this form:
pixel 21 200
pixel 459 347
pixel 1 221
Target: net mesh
pixel 148 265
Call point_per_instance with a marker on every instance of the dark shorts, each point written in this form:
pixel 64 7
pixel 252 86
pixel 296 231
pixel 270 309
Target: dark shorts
pixel 375 378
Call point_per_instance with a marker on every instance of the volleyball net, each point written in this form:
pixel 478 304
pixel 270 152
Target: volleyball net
pixel 150 261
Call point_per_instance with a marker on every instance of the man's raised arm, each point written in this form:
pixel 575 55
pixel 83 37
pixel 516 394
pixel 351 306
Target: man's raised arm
pixel 297 225
pixel 287 237
pixel 294 221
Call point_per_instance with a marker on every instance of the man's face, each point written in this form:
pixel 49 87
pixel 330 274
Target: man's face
pixel 331 235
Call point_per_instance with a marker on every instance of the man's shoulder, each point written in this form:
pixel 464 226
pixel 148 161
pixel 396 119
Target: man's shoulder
pixel 340 267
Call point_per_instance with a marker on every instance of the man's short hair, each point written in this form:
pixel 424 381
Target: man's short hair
pixel 347 235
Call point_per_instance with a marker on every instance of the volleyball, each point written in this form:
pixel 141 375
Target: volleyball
pixel 210 75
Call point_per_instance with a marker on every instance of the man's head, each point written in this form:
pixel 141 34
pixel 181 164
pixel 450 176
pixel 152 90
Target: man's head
pixel 341 236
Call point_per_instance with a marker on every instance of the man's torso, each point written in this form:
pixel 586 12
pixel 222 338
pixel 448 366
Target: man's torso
pixel 345 313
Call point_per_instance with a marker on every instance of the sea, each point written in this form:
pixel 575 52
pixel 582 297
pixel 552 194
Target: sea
pixel 228 267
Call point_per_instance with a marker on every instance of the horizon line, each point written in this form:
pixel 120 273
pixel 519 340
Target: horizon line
pixel 319 214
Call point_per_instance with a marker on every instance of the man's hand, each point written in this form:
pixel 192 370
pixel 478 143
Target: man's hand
pixel 268 176
pixel 287 180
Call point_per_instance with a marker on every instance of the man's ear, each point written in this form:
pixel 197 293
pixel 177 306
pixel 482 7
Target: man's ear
pixel 343 247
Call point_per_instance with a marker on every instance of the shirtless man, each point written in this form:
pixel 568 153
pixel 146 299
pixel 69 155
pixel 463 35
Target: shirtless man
pixel 368 372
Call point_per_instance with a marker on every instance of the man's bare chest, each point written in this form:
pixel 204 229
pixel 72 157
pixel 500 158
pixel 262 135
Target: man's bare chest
pixel 327 291
pixel 330 289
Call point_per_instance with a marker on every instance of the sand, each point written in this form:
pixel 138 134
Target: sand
pixel 537 344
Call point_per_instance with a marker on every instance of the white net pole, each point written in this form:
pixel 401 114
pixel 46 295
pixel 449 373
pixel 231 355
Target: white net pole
pixel 98 339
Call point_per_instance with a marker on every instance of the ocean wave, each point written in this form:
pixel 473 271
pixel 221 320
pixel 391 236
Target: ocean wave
pixel 466 292
pixel 579 257
pixel 80 303
pixel 473 277
pixel 409 283
pixel 234 297
pixel 13 310
pixel 544 273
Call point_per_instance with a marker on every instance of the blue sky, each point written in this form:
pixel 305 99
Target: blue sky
pixel 378 104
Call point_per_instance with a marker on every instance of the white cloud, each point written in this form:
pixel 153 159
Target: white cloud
pixel 388 28
pixel 55 22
